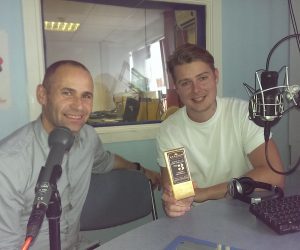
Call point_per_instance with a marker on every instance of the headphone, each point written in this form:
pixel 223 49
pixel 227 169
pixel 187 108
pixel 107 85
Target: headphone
pixel 241 188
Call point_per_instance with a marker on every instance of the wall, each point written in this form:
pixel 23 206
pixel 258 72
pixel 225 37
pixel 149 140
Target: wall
pixel 88 53
pixel 250 29
pixel 15 113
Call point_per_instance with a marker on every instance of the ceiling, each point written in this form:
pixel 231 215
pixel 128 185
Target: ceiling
pixel 98 22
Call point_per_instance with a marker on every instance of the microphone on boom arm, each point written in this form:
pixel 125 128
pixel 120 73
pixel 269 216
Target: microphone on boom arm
pixel 270 102
pixel 267 104
pixel 60 141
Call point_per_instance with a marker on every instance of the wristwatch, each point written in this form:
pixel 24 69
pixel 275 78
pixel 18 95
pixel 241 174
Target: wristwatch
pixel 139 167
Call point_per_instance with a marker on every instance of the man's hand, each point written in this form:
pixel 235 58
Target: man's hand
pixel 154 177
pixel 173 207
pixel 121 163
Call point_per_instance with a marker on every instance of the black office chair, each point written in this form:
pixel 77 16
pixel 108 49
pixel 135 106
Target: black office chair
pixel 116 198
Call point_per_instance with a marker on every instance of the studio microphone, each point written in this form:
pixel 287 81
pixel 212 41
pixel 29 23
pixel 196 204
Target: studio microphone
pixel 60 141
pixel 266 103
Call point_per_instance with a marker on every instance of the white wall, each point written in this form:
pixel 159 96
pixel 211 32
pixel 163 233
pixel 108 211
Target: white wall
pixel 104 60
pixel 87 53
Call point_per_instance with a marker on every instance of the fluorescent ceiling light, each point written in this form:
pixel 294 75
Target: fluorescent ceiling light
pixel 61 26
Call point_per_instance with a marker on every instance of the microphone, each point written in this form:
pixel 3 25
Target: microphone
pixel 60 140
pixel 266 104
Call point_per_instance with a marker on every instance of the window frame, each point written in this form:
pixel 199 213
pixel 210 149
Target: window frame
pixel 35 64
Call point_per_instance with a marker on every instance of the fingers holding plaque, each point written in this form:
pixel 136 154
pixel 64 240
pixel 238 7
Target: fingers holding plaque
pixel 179 174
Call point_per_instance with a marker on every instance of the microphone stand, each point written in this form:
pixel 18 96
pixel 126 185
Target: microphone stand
pixel 54 211
pixel 47 199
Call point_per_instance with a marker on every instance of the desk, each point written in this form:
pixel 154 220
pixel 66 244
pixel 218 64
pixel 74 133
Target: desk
pixel 226 221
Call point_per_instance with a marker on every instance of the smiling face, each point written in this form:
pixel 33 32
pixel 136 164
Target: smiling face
pixel 67 98
pixel 196 85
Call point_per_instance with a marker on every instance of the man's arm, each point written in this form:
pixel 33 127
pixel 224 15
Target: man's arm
pixel 154 176
pixel 260 172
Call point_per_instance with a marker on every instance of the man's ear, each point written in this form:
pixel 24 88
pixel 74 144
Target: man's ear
pixel 41 94
pixel 217 75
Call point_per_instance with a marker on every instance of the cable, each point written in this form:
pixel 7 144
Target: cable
pixel 294 23
pixel 27 243
pixel 276 45
pixel 273 169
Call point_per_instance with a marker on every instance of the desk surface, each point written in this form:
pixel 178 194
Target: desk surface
pixel 225 221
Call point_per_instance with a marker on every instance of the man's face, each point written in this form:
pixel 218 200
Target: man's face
pixel 69 99
pixel 196 85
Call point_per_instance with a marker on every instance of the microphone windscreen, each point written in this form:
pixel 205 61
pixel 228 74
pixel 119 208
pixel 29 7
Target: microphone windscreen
pixel 60 140
pixel 61 135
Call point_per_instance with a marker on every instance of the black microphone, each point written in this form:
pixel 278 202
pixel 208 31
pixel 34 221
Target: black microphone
pixel 266 104
pixel 60 140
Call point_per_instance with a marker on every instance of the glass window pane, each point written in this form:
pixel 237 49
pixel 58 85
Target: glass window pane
pixel 125 48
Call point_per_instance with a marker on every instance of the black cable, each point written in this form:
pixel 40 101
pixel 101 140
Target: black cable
pixel 273 169
pixel 276 45
pixel 267 126
pixel 294 23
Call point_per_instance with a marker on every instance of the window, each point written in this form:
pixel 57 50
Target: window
pixel 135 71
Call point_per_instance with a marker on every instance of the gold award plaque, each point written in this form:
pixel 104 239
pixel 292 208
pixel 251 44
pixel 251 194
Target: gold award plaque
pixel 179 173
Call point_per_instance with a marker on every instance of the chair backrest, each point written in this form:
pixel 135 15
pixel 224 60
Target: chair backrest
pixel 116 198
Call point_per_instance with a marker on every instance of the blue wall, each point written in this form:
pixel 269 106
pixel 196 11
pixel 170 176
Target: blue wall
pixel 17 113
pixel 250 29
